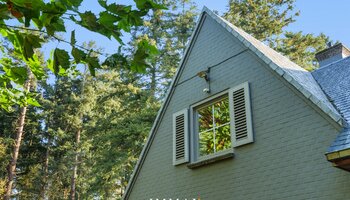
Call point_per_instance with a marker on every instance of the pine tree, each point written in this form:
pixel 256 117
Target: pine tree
pixel 266 20
pixel 169 30
pixel 263 19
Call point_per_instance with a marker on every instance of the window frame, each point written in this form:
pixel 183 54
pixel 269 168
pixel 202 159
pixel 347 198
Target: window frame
pixel 195 156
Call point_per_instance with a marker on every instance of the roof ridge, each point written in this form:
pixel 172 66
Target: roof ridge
pixel 335 62
pixel 284 67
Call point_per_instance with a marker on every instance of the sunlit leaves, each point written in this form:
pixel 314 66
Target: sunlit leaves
pixel 38 20
pixel 16 74
pixel 36 67
pixel 144 50
pixel 148 4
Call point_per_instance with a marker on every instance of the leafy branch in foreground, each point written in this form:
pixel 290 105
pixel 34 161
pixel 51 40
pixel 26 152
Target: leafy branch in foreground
pixel 39 21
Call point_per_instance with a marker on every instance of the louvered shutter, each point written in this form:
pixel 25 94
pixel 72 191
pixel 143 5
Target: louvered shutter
pixel 180 138
pixel 240 112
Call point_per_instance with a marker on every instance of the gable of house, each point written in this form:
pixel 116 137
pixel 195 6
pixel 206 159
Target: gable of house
pixel 290 114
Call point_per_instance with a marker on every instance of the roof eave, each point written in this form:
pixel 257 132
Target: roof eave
pixel 340 159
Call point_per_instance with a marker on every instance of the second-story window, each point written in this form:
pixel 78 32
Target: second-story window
pixel 214 126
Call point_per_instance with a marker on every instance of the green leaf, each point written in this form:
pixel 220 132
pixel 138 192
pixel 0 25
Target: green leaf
pixel 4 12
pixel 73 41
pixel 116 60
pixel 36 67
pixel 30 43
pixel 76 3
pixel 107 19
pixel 89 20
pixel 144 51
pixel 103 3
pixel 78 55
pixel 93 64
pixel 148 4
pixel 56 25
pixel 33 102
pixel 61 59
pixel 16 74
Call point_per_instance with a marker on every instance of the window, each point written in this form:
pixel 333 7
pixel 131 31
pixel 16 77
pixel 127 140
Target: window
pixel 214 127
pixel 219 124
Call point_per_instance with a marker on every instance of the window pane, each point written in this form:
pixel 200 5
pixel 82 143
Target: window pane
pixel 222 138
pixel 205 118
pixel 206 143
pixel 221 112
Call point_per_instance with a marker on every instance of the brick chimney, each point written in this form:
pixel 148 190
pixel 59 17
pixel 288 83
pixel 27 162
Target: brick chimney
pixel 332 54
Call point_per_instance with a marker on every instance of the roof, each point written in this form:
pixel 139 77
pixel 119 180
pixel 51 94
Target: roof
pixel 296 76
pixel 334 79
pixel 300 78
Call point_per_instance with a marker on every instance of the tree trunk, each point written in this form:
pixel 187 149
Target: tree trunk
pixel 153 85
pixel 75 167
pixel 11 168
pixel 45 171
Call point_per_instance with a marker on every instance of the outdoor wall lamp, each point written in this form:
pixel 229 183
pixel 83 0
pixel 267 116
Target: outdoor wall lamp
pixel 205 75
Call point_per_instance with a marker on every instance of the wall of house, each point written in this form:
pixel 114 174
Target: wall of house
pixel 286 161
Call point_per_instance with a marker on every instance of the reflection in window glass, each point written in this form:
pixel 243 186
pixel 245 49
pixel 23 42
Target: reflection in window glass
pixel 214 127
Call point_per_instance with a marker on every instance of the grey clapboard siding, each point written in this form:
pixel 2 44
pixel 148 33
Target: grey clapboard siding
pixel 286 161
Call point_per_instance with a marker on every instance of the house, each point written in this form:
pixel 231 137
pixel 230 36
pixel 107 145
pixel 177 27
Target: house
pixel 241 121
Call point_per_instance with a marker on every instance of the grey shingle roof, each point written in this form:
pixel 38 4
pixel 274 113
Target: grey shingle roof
pixel 342 141
pixel 300 78
pixel 334 79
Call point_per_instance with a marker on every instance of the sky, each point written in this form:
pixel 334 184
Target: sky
pixel 330 17
pixel 316 16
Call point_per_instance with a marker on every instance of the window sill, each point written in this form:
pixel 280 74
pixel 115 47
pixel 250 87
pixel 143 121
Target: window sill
pixel 211 159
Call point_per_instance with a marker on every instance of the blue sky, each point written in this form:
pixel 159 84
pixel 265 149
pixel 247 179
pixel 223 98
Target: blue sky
pixel 329 17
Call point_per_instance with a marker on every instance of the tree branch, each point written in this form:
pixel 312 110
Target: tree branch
pixel 55 37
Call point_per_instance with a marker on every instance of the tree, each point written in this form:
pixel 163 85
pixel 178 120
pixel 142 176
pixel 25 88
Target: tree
pixel 263 19
pixel 112 111
pixel 39 20
pixel 18 139
pixel 301 48
pixel 266 20
pixel 169 30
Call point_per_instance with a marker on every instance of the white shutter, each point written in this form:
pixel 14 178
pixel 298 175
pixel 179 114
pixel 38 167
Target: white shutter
pixel 240 114
pixel 180 137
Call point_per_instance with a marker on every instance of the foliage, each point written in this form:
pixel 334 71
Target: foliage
pixel 214 127
pixel 169 30
pixel 301 48
pixel 40 20
pixel 266 20
pixel 261 18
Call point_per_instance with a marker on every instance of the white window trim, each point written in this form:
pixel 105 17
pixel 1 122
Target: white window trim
pixel 194 130
pixel 186 137
pixel 195 157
